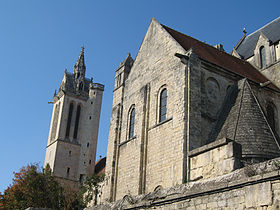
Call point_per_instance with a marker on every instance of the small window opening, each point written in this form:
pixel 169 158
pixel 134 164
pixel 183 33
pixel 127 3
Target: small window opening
pixel 90 117
pixel 91 102
pixel 68 172
pixel 81 178
pixel 88 144
pixel 262 57
pixel 70 153
pixel 89 161
pixel 84 162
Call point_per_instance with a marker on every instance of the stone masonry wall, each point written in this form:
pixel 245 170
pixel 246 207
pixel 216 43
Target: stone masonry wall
pixel 253 187
pixel 215 159
pixel 139 164
pixel 157 157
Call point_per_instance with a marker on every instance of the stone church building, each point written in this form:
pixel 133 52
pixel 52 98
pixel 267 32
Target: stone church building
pixel 185 111
pixel 191 125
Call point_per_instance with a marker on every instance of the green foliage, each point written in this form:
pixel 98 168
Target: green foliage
pixel 276 164
pixel 91 188
pixel 34 188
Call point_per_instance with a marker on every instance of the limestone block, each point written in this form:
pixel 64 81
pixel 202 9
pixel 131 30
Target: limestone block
pixel 258 195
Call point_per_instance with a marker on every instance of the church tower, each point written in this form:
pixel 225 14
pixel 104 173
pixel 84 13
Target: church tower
pixel 72 141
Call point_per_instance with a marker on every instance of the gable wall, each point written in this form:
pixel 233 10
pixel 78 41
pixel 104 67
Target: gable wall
pixel 272 55
pixel 155 155
pixel 162 144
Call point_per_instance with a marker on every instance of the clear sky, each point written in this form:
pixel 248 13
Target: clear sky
pixel 40 38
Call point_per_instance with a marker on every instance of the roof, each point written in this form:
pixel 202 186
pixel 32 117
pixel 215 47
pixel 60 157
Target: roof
pixel 127 61
pixel 241 119
pixel 100 166
pixel 218 57
pixel 69 85
pixel 247 46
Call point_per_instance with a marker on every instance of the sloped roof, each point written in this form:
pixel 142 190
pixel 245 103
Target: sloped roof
pixel 218 57
pixel 100 166
pixel 247 46
pixel 127 61
pixel 242 120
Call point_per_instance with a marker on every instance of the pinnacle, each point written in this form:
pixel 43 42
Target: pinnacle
pixel 80 64
pixel 81 57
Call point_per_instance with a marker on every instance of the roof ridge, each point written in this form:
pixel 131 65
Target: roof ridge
pixel 224 52
pixel 239 109
pixel 217 57
pixel 240 41
pixel 263 27
pixel 195 39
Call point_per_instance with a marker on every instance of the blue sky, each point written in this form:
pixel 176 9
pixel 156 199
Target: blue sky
pixel 39 39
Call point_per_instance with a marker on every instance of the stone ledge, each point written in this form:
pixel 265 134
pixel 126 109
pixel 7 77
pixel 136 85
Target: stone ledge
pixel 165 121
pixel 210 146
pixel 60 140
pixel 126 141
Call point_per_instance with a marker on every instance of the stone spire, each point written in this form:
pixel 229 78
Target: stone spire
pixel 80 68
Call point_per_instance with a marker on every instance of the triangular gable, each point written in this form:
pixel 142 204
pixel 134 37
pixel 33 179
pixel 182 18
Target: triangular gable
pixel 157 44
pixel 271 31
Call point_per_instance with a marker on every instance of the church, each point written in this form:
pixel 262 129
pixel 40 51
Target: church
pixel 185 111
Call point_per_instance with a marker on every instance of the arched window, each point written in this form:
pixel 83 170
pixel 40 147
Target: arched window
pixel 262 57
pixel 81 85
pixel 271 115
pixel 162 105
pixel 78 75
pixel 131 123
pixel 55 121
pixel 77 122
pixel 68 172
pixel 69 120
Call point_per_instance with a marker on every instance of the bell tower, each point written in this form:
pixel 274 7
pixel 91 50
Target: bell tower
pixel 72 141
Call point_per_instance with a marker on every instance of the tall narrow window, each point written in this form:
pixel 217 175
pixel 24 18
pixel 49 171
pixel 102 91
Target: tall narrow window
pixel 81 86
pixel 69 120
pixel 131 123
pixel 262 57
pixel 162 105
pixel 81 178
pixel 77 122
pixel 55 121
pixel 68 172
pixel 270 116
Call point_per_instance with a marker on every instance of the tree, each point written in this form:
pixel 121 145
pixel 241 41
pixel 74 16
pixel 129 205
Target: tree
pixel 91 188
pixel 34 188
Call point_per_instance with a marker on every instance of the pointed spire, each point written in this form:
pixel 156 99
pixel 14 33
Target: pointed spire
pixel 80 67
